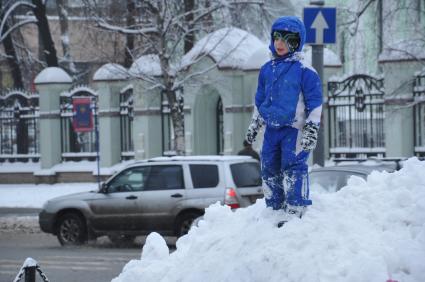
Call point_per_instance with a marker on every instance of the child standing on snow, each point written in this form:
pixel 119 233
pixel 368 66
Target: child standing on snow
pixel 289 103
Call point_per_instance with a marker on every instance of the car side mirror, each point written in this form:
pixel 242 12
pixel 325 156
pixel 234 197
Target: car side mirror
pixel 103 188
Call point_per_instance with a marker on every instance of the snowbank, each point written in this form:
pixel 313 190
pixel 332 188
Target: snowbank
pixel 368 231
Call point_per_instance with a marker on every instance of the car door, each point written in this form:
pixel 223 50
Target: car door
pixel 206 183
pixel 162 194
pixel 118 209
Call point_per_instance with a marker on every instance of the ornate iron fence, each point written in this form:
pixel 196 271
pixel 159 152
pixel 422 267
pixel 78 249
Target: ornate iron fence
pixel 126 122
pixel 356 117
pixel 77 146
pixel 19 127
pixel 419 114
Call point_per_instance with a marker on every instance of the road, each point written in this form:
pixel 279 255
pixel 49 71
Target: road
pixel 98 260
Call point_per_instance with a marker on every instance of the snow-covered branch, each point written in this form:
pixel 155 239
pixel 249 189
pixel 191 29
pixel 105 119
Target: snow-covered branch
pixel 15 26
pixel 358 14
pixel 7 14
pixel 114 28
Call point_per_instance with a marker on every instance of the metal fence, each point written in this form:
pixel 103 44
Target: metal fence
pixel 126 122
pixel 77 146
pixel 419 114
pixel 19 126
pixel 356 117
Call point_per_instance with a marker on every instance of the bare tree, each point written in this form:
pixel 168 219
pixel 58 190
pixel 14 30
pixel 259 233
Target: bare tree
pixel 7 27
pixel 390 17
pixel 17 53
pixel 131 20
pixel 12 59
pixel 49 49
pixel 168 29
pixel 63 22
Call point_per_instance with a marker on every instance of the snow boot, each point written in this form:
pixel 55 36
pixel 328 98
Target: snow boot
pixel 292 212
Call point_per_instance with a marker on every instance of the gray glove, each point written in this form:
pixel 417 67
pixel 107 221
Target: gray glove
pixel 309 136
pixel 255 126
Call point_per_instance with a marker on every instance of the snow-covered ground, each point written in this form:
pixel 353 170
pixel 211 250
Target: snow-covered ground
pixel 34 196
pixel 371 230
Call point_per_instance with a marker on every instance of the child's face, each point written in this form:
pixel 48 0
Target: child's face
pixel 280 47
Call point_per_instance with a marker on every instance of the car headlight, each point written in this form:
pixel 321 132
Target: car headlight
pixel 45 205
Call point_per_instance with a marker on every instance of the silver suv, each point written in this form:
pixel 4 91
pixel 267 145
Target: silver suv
pixel 164 194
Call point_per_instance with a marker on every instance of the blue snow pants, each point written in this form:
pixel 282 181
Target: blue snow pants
pixel 283 170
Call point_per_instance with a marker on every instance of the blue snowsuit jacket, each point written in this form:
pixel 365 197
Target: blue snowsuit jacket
pixel 288 93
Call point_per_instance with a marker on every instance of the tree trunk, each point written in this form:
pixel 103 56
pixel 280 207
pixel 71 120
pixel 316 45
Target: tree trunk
pixel 44 31
pixel 177 116
pixel 63 22
pixel 179 142
pixel 131 13
pixel 189 6
pixel 176 104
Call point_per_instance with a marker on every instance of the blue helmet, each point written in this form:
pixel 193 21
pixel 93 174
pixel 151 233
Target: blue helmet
pixel 285 25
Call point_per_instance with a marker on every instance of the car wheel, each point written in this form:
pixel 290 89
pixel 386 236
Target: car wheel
pixel 71 230
pixel 184 223
pixel 121 240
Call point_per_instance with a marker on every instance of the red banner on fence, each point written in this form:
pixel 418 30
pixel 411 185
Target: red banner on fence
pixel 83 116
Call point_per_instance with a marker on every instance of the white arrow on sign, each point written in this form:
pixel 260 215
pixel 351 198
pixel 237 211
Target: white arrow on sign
pixel 319 24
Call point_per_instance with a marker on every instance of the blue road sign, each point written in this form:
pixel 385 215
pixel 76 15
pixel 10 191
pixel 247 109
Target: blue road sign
pixel 320 24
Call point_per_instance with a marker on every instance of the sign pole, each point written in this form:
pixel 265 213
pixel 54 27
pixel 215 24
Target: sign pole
pixel 317 61
pixel 96 128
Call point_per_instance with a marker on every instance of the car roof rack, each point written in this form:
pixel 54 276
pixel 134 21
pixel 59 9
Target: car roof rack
pixel 200 158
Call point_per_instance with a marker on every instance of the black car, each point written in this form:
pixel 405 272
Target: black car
pixel 333 178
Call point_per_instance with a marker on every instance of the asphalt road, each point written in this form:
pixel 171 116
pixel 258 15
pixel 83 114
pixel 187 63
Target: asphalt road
pixel 21 238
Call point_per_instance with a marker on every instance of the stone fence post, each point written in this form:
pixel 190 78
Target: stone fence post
pixel 50 83
pixel 109 80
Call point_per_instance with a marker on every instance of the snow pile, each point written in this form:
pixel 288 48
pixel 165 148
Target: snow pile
pixel 13 224
pixel 369 231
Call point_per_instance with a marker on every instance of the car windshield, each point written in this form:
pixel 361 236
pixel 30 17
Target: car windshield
pixel 324 181
pixel 331 180
pixel 246 174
